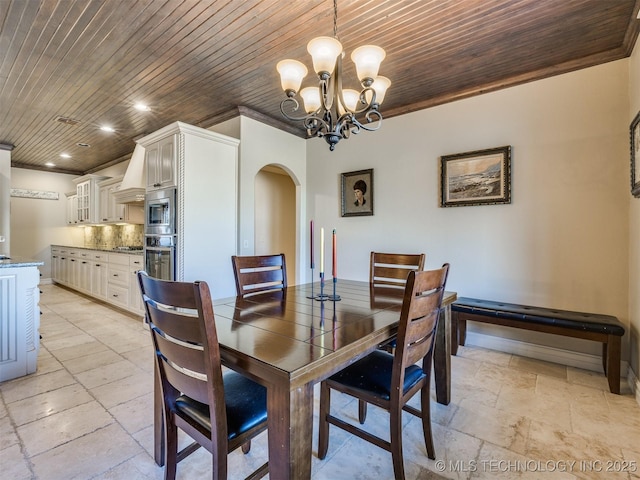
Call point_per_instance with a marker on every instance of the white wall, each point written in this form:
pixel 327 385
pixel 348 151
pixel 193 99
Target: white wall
pixel 37 223
pixel 262 145
pixel 563 242
pixel 634 235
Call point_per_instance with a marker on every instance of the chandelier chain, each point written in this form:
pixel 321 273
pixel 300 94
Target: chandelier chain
pixel 335 19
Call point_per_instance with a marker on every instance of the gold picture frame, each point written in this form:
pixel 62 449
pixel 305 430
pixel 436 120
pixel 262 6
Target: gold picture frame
pixel 481 177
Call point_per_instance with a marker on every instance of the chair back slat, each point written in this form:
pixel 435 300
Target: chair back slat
pixel 259 273
pixel 189 385
pixel 183 355
pixel 183 325
pixel 393 268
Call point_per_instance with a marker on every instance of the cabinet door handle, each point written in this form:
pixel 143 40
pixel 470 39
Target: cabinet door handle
pixel 157 184
pixel 84 263
pixel 98 265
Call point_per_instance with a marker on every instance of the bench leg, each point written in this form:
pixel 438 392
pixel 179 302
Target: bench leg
pixel 454 333
pixel 462 330
pixel 611 351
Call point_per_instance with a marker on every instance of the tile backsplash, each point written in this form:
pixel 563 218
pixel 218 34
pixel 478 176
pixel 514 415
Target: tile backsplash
pixel 111 236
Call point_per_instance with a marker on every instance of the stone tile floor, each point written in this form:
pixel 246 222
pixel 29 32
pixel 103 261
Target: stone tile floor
pixel 87 414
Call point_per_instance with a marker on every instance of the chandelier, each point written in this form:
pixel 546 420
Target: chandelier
pixel 332 112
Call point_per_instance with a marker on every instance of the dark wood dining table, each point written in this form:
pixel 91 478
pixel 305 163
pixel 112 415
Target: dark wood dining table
pixel 288 342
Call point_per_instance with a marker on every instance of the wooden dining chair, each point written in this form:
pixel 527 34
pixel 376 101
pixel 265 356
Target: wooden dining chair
pixel 259 273
pixel 393 268
pixel 219 412
pixel 391 380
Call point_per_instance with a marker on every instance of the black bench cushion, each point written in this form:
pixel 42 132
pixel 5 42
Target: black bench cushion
pixel 590 322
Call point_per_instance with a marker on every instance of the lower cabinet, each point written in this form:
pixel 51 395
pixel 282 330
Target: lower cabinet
pixel 107 276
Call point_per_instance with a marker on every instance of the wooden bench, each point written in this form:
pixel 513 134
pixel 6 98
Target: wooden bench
pixel 590 326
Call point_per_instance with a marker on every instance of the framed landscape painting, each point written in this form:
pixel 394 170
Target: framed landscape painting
pixel 357 193
pixel 482 177
pixel 635 155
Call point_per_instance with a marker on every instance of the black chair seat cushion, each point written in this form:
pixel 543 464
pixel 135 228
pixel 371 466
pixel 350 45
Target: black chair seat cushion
pixel 246 403
pixel 372 374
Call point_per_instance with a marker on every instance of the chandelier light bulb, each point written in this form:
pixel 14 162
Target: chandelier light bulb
pixel 367 59
pixel 350 99
pixel 291 74
pixel 324 51
pixel 380 85
pixel 311 98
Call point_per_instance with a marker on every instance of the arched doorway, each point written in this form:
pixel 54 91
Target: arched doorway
pixel 275 215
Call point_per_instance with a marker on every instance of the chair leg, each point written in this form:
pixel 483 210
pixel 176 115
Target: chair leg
pixel 362 411
pixel 425 407
pixel 323 424
pixel 171 448
pixel 246 447
pixel 395 420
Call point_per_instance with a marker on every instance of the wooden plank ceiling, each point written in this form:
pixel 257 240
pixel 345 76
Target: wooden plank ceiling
pixel 200 61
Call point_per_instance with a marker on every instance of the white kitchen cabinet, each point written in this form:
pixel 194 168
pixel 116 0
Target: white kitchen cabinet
pixel 72 208
pixel 118 280
pixel 160 162
pixel 99 275
pixel 83 265
pixel 88 198
pixel 113 212
pixel 136 263
pixel 102 274
pixel 206 202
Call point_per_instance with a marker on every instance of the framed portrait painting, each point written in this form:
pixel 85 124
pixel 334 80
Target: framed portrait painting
pixel 635 155
pixel 482 177
pixel 357 193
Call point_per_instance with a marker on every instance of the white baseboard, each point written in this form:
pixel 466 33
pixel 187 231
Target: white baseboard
pixel 541 352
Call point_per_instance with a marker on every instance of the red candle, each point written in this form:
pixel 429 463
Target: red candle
pixel 312 265
pixel 335 255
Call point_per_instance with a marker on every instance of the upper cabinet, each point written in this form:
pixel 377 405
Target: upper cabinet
pixel 161 163
pixel 72 208
pixel 88 198
pixel 113 212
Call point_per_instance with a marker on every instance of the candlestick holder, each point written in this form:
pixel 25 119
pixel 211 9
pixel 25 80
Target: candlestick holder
pixel 312 295
pixel 334 297
pixel 321 297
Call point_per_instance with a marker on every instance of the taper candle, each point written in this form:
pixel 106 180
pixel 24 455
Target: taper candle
pixel 312 265
pixel 321 249
pixel 335 255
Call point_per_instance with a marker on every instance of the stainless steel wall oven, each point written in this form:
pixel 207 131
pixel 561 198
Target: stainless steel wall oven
pixel 160 234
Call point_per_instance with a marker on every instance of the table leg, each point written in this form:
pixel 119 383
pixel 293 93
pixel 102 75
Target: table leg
pixel 290 431
pixel 442 357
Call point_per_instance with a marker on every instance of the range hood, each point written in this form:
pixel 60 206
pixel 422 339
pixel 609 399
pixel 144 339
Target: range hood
pixel 132 188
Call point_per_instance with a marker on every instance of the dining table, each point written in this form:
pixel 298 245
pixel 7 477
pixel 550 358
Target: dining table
pixel 290 339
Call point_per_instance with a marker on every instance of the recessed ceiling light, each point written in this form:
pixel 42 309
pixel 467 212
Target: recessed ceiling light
pixel 50 164
pixel 65 155
pixel 142 107
pixel 106 128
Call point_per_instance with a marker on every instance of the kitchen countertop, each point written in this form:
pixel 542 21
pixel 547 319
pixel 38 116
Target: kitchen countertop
pixel 103 249
pixel 12 262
